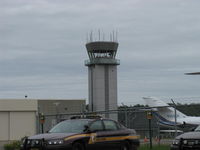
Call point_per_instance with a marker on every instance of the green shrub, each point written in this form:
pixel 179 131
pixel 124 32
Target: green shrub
pixel 15 145
pixel 8 147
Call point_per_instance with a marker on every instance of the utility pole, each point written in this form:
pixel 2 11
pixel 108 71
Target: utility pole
pixel 175 116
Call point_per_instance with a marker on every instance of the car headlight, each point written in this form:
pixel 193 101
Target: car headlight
pixel 55 142
pixel 185 142
pixel 176 142
pixel 197 142
pixel 37 142
pixel 28 142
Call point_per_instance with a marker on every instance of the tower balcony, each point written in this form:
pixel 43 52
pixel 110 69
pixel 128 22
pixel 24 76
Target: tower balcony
pixel 102 61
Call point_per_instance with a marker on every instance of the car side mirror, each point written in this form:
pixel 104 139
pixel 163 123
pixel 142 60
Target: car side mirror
pixel 86 128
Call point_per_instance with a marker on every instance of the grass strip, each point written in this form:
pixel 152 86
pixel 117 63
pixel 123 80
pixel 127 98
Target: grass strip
pixel 155 147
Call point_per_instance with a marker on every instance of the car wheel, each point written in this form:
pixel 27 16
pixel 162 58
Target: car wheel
pixel 78 146
pixel 125 146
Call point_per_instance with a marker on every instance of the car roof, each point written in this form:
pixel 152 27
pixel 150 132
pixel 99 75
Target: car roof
pixel 86 117
pixel 89 118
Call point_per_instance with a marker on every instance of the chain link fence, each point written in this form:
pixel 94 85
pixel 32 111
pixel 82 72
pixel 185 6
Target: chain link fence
pixel 131 118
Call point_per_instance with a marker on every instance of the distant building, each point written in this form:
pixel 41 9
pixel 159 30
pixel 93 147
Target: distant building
pixel 20 117
pixel 56 110
pixel 17 119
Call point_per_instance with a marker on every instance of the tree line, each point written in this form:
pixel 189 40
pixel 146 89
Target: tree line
pixel 192 109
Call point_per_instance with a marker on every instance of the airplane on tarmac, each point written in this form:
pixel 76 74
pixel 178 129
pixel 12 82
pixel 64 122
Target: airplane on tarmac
pixel 166 115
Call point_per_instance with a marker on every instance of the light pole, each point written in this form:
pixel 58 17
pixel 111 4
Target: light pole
pixel 175 116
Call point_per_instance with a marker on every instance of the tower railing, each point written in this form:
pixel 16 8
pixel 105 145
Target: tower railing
pixel 102 61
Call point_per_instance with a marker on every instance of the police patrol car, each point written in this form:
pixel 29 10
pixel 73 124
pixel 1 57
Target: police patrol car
pixel 84 134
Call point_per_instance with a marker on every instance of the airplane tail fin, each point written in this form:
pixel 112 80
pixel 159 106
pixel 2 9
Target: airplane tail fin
pixel 164 111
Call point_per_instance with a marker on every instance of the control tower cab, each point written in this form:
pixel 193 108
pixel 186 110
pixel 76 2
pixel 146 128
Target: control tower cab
pixel 102 76
pixel 102 53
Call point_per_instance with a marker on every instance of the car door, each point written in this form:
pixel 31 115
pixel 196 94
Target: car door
pixel 96 128
pixel 111 134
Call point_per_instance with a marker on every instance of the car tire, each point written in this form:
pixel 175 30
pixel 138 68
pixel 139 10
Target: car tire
pixel 125 146
pixel 78 146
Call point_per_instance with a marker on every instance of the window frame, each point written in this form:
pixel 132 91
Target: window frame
pixel 103 127
pixel 116 124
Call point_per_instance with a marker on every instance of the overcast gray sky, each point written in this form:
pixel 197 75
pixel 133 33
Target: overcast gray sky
pixel 42 46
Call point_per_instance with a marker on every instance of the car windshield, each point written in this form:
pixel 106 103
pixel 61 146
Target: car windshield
pixel 70 126
pixel 197 129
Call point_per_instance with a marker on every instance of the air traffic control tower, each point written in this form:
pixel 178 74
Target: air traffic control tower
pixel 102 76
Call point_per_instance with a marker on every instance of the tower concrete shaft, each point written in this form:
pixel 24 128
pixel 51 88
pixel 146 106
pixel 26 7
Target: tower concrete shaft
pixel 102 76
